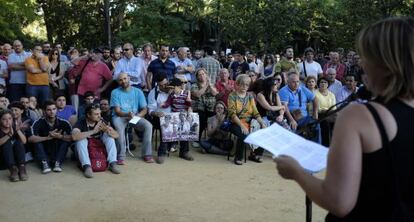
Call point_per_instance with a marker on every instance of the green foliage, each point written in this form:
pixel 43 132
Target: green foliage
pixel 258 25
pixel 14 16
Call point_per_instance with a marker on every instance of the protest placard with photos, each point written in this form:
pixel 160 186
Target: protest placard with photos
pixel 180 126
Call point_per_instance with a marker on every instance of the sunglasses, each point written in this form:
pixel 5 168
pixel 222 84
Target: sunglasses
pixel 126 50
pixel 55 53
pixel 278 80
pixel 184 82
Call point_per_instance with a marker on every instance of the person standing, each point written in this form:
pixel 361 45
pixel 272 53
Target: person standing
pixel 17 78
pixel 368 175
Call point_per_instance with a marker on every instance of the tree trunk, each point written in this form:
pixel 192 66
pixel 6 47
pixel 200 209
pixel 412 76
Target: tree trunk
pixel 107 23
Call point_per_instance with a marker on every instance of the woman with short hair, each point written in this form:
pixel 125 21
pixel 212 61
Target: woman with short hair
pixel 242 110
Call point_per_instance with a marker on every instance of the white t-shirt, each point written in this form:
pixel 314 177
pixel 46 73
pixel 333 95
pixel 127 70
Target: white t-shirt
pixel 3 71
pixel 312 69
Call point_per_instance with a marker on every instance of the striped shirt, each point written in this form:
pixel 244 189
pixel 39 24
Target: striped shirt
pixel 178 102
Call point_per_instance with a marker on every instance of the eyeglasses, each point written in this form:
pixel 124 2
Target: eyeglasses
pixel 126 50
pixel 55 53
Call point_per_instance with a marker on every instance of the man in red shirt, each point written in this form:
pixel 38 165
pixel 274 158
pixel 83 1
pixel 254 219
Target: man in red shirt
pixel 224 85
pixel 96 76
pixel 336 64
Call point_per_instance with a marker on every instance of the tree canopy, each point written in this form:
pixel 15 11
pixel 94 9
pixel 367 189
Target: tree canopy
pixel 259 25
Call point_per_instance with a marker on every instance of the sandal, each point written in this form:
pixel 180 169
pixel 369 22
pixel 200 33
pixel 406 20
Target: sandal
pixel 255 158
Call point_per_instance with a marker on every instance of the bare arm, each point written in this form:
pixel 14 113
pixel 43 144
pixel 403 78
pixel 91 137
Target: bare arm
pixel 149 80
pixel 4 139
pixel 143 112
pixel 315 104
pixel 16 66
pixel 339 191
pixel 39 139
pixel 78 135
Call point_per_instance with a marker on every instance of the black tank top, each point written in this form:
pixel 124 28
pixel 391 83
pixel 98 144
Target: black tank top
pixel 378 198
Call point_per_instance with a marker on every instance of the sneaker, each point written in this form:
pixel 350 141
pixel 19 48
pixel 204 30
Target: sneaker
pixel 57 167
pixel 187 156
pixel 120 162
pixel 114 168
pixel 160 159
pixel 238 162
pixel 45 167
pixel 14 175
pixel 22 173
pixel 195 144
pixel 87 172
pixel 148 159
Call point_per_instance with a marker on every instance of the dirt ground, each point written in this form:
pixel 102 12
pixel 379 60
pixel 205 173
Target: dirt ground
pixel 210 188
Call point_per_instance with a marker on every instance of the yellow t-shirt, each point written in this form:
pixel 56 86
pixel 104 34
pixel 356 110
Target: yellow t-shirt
pixel 38 79
pixel 325 101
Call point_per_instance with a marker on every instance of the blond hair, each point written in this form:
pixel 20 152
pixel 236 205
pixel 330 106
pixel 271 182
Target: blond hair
pixel 389 45
pixel 242 78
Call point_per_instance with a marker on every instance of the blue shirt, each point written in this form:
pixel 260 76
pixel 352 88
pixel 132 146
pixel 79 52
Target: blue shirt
pixel 66 113
pixel 18 76
pixel 132 100
pixel 183 63
pixel 134 67
pixel 292 98
pixel 157 65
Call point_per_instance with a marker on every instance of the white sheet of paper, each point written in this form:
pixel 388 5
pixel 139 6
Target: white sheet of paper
pixel 135 120
pixel 278 140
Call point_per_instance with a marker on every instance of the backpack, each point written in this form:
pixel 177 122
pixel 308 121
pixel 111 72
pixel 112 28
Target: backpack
pixel 97 155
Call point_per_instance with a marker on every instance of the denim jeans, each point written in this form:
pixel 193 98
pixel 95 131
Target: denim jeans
pixel 82 149
pixel 40 92
pixel 16 91
pixel 13 153
pixel 143 125
pixel 53 150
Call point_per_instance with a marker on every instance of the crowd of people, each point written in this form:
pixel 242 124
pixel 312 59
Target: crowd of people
pixel 53 101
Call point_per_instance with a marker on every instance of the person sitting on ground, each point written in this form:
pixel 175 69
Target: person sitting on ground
pixel 241 110
pixel 25 124
pixel 93 126
pixel 88 99
pixel 51 136
pixel 4 102
pixel 12 141
pixel 34 106
pixel 219 141
pixel 29 113
pixel 66 112
pixel 127 102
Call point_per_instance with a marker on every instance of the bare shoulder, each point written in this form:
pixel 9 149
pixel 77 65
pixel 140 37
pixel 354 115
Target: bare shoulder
pixel 358 118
